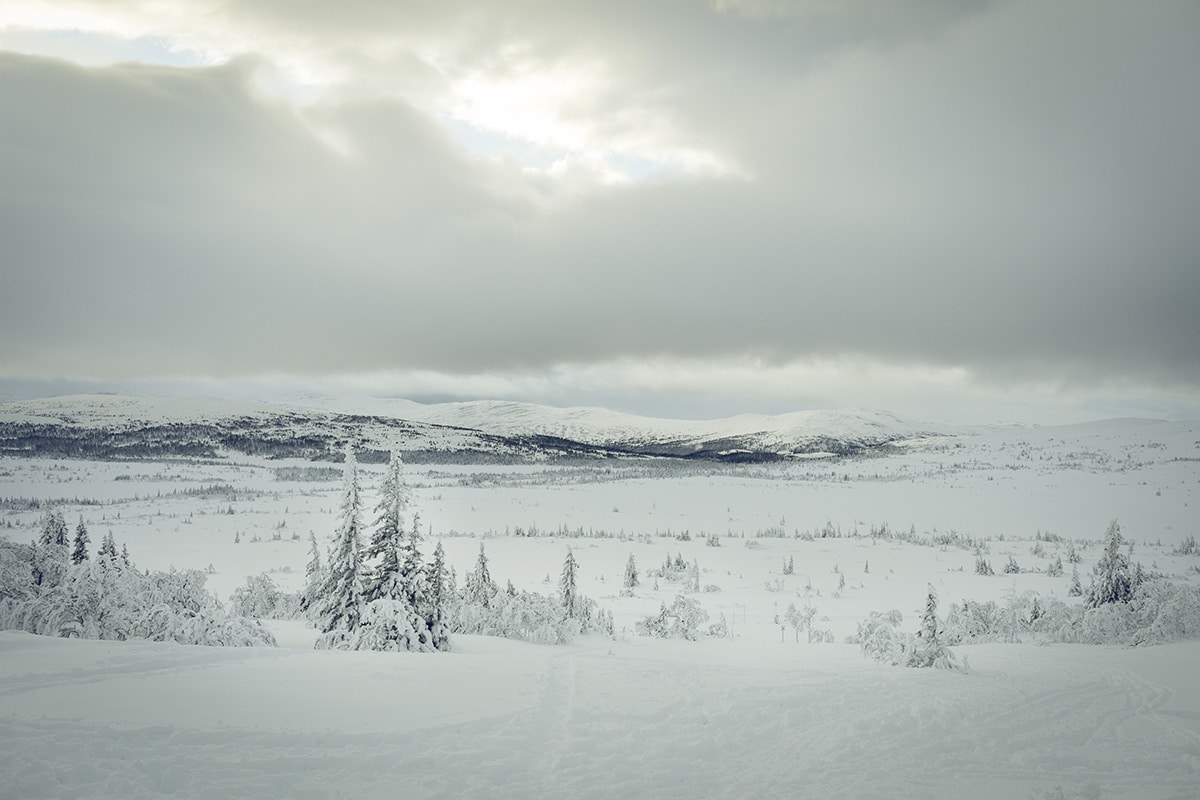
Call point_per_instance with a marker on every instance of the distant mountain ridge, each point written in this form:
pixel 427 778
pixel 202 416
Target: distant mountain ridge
pixel 116 426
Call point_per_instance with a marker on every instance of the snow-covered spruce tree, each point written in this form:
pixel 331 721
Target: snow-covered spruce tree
pixel 631 574
pixel 392 619
pixel 53 529
pixel 1076 589
pixel 388 538
pixel 342 594
pixel 412 568
pixel 440 592
pixel 80 554
pixel 108 547
pixel 929 650
pixel 1112 578
pixel 51 550
pixel 568 591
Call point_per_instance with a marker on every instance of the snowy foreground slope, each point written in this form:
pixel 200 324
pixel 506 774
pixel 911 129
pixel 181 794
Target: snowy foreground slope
pixel 755 714
pixel 596 719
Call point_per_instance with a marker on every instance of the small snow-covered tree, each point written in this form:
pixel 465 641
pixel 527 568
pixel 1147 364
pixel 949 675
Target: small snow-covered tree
pixel 1113 577
pixel 80 554
pixel 568 591
pixel 631 573
pixel 930 650
pixel 478 587
pixel 1076 589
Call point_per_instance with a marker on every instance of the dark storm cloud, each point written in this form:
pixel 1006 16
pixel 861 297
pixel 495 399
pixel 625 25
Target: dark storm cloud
pixel 1010 188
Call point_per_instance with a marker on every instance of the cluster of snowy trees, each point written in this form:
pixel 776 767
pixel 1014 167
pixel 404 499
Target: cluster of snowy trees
pixel 1123 605
pixel 381 596
pixel 385 596
pixel 483 608
pixel 55 588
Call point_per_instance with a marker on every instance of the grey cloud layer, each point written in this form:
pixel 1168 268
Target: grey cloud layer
pixel 1014 190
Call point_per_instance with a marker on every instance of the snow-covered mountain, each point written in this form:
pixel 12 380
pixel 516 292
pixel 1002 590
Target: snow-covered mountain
pixel 316 427
pixel 792 434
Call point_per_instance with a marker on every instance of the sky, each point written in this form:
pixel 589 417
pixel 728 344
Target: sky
pixel 966 211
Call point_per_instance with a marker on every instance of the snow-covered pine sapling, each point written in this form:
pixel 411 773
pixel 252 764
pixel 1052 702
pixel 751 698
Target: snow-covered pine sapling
pixel 1011 568
pixel 631 574
pixel 866 568
pixel 983 566
pixel 841 581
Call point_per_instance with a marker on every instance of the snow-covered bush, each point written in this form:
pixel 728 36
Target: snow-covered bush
pixel 683 619
pixel 530 617
pixel 105 598
pixel 1158 611
pixel 260 598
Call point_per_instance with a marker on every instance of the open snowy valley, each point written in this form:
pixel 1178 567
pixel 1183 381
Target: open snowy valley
pixel 749 655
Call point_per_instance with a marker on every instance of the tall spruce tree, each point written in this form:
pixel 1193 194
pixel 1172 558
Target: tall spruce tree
pixel 342 594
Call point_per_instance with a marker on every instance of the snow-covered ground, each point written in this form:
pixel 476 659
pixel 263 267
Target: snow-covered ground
pixel 753 715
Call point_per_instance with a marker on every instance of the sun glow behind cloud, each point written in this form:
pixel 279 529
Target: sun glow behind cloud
pixel 517 107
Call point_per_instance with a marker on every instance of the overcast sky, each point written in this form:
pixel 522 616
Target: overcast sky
pixel 959 211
